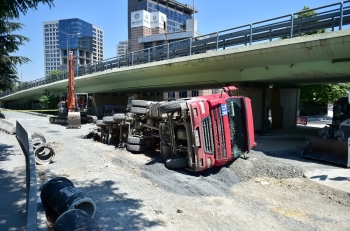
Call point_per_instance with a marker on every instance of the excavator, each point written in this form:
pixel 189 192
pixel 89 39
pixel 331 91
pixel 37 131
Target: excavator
pixel 333 142
pixel 73 107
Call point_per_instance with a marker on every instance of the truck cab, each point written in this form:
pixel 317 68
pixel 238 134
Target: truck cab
pixel 221 129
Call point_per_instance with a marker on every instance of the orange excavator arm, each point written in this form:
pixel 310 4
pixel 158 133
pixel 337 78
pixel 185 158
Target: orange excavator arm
pixel 71 100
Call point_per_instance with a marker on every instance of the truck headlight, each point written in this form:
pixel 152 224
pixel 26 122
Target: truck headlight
pixel 196 138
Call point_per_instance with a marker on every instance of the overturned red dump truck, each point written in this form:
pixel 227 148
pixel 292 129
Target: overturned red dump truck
pixel 197 133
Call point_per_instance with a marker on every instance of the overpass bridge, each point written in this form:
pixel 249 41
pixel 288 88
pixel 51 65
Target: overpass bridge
pixel 252 55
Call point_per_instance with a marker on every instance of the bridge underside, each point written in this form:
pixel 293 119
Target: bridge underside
pixel 322 58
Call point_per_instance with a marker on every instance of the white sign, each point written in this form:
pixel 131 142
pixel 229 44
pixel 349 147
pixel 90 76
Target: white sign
pixel 140 18
pixel 152 38
pixel 180 35
pixel 158 19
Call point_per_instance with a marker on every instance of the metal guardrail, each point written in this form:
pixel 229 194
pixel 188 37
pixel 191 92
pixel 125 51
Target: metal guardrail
pixel 333 17
pixel 25 139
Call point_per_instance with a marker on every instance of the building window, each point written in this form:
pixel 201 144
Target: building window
pixel 216 91
pixel 183 94
pixel 171 95
pixel 195 93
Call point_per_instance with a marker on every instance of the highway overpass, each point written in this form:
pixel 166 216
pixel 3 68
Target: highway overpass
pixel 253 57
pixel 320 58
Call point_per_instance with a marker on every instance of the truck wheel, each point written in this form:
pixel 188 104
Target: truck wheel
pixel 136 140
pixel 138 110
pixel 2 116
pixel 176 163
pixel 108 119
pixel 139 103
pixel 119 116
pixel 100 123
pixel 169 107
pixel 136 147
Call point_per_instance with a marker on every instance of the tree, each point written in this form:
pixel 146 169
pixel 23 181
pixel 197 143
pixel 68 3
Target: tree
pixel 54 73
pixel 320 93
pixel 47 100
pixel 10 42
pixel 308 14
pixel 323 93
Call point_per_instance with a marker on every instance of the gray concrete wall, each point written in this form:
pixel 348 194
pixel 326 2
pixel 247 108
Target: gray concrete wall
pixel 255 94
pixel 289 101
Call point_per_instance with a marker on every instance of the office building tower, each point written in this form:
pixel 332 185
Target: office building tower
pixel 63 36
pixel 147 19
pixel 122 48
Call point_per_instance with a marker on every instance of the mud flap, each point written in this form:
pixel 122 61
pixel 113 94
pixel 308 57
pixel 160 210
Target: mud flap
pixel 74 120
pixel 332 151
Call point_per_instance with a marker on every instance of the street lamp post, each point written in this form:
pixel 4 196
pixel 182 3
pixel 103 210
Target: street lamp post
pixel 67 36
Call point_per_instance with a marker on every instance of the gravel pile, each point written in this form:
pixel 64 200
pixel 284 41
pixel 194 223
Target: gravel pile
pixel 257 164
pixel 213 182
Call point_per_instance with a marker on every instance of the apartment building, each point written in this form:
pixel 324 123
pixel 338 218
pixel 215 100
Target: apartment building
pixel 62 36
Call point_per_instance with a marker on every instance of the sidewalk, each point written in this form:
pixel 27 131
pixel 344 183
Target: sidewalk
pixel 13 184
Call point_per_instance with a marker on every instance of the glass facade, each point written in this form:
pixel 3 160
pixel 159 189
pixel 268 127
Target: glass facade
pixel 72 27
pixel 176 19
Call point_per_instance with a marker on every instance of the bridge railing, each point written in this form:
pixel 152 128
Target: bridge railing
pixel 330 17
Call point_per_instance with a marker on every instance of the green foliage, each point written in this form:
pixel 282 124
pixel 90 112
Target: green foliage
pixel 54 73
pixel 47 100
pixel 14 7
pixel 302 14
pixel 10 41
pixel 323 93
pixel 305 13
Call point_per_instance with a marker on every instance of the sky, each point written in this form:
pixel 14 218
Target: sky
pixel 111 16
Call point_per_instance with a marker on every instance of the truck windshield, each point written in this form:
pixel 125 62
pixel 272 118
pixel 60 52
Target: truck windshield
pixel 235 111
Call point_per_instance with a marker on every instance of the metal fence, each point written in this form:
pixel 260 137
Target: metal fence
pixel 332 17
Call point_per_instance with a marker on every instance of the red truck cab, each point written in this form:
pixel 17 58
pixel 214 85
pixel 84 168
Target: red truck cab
pixel 222 129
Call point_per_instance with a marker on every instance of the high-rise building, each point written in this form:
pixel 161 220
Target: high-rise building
pixel 122 48
pixel 156 17
pixel 62 36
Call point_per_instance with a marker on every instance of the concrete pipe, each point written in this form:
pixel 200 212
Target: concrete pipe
pixel 61 195
pixel 74 220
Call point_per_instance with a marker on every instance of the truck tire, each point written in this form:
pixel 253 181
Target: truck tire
pixel 139 103
pixel 169 107
pixel 118 117
pixel 100 123
pixel 136 147
pixel 108 119
pixel 2 116
pixel 176 163
pixel 138 110
pixel 136 140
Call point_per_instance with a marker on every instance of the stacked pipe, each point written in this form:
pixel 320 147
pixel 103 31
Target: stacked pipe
pixel 75 210
pixel 43 152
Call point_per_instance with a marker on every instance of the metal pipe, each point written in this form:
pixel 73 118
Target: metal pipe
pixel 341 15
pixel 291 25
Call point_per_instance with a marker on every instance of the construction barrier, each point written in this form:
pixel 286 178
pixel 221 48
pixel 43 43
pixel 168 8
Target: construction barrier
pixel 7 126
pixel 302 120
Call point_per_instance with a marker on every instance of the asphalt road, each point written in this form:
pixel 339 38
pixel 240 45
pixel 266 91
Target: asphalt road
pixel 136 192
